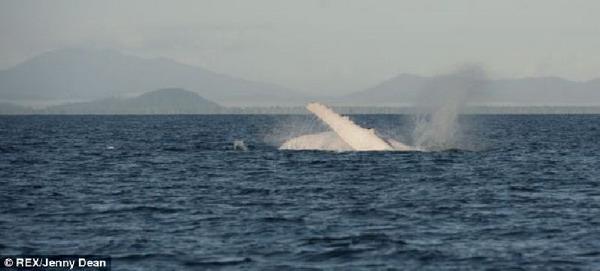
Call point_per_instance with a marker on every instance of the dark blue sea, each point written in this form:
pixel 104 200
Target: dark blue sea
pixel 520 192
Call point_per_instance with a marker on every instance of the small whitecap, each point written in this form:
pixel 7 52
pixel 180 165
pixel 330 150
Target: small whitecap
pixel 240 145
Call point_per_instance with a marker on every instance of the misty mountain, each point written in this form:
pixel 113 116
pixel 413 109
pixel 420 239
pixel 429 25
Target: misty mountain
pixel 408 89
pixel 86 74
pixel 13 109
pixel 401 90
pixel 163 101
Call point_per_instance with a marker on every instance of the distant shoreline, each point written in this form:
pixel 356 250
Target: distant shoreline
pixel 348 110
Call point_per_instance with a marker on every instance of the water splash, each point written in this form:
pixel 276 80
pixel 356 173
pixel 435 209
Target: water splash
pixel 240 145
pixel 443 99
pixel 436 128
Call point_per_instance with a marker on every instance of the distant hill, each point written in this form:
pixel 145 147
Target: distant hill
pixel 400 90
pixel 407 89
pixel 85 74
pixel 163 101
pixel 12 109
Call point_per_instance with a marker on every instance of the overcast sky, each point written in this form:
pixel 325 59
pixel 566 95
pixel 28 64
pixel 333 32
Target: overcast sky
pixel 320 46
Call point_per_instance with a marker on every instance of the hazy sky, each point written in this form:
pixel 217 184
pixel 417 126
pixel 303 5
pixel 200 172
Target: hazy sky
pixel 320 46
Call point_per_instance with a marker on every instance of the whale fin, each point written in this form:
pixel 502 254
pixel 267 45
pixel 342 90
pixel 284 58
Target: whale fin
pixel 358 138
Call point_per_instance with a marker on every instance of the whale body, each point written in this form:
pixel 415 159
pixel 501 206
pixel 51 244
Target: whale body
pixel 345 135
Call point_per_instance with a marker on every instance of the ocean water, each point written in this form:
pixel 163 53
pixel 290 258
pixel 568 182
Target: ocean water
pixel 171 193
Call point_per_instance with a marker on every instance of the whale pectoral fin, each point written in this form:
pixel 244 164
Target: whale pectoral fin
pixel 359 138
pixel 346 135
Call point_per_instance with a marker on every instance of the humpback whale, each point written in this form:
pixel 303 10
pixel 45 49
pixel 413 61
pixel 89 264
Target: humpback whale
pixel 345 135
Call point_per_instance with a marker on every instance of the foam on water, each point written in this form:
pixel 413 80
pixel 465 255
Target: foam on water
pixel 240 145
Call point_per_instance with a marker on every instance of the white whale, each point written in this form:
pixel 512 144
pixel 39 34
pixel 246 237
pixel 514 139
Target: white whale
pixel 346 135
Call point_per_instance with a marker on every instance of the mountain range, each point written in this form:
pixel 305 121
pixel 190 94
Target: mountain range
pixel 162 101
pixel 87 74
pixel 89 80
pixel 407 89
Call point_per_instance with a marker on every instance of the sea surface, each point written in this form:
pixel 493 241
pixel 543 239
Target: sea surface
pixel 519 192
